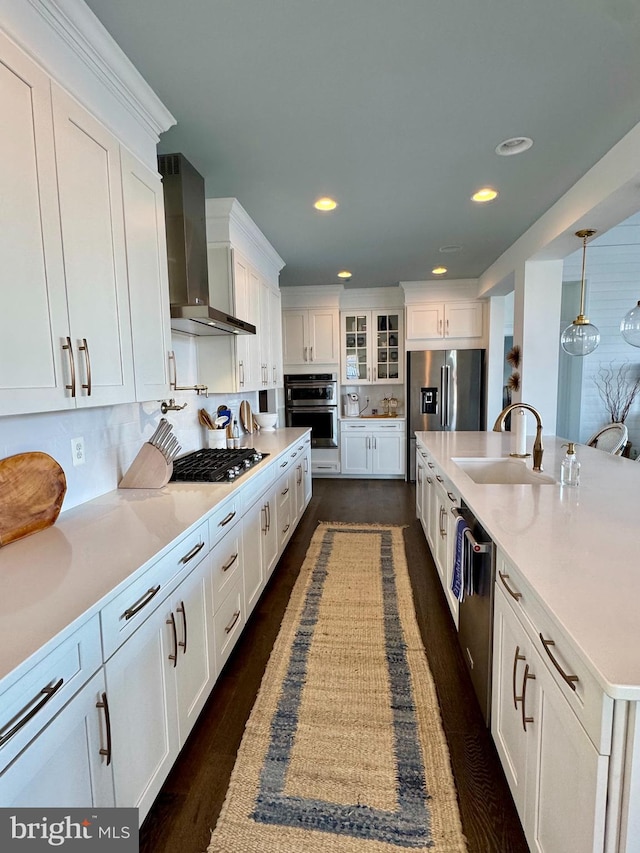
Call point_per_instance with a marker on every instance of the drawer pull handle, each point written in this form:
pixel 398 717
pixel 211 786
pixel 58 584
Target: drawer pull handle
pixel 46 692
pixel 429 480
pixel 504 579
pixel 174 656
pixel 284 464
pixel 106 751
pixel 294 454
pixel 181 609
pixel 285 529
pixel 570 679
pixel 451 496
pixel 439 478
pixel 284 492
pixel 431 465
pixel 229 628
pixel 228 565
pixel 195 550
pixel 516 658
pixel 141 602
pixel 227 519
pixel 301 447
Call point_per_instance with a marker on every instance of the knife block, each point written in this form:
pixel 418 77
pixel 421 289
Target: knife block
pixel 149 470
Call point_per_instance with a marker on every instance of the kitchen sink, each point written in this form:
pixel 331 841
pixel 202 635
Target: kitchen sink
pixel 501 471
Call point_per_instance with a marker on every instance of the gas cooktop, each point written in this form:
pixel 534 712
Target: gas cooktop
pixel 215 465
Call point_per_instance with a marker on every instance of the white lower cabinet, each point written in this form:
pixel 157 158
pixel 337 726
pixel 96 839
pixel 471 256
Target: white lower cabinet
pixel 557 777
pixel 445 500
pixel 372 449
pixel 157 683
pixel 68 764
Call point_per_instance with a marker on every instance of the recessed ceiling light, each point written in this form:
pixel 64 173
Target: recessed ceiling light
pixel 485 194
pixel 515 145
pixel 344 274
pixel 449 250
pixel 439 270
pixel 325 203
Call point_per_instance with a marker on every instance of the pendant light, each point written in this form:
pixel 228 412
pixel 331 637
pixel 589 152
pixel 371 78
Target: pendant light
pixel 581 337
pixel 630 326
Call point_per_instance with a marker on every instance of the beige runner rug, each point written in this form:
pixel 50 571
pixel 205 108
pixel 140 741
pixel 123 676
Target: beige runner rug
pixel 344 750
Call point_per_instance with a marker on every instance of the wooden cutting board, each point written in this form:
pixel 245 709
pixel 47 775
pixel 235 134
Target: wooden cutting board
pixel 246 416
pixel 32 488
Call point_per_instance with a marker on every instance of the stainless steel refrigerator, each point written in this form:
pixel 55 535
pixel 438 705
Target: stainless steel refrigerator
pixel 445 391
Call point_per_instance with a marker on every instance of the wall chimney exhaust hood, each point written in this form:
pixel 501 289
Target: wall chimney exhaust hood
pixel 187 253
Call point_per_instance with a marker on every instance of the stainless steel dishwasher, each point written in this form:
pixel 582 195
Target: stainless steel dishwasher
pixel 475 626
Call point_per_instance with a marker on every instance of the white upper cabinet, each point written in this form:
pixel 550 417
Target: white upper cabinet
pixel 91 215
pixel 372 347
pixel 34 368
pixel 310 335
pixel 435 320
pixel 147 276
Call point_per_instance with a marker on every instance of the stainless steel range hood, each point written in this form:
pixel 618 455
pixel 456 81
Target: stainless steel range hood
pixel 187 253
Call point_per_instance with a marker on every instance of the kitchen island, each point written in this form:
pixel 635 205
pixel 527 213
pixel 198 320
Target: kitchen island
pixel 566 659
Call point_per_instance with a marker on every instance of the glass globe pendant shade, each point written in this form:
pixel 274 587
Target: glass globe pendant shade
pixel 630 326
pixel 580 338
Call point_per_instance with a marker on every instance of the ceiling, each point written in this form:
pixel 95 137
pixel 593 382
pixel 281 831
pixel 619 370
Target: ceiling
pixel 394 108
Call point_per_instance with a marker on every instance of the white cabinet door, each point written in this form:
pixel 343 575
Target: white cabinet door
pixel 463 320
pixel 270 543
pixel 144 713
pixel 387 453
pixel 306 465
pixel 355 452
pixel 91 214
pixel 512 654
pixel 372 347
pixel 147 276
pixel 425 321
pixel 294 336
pixel 275 344
pixel 34 369
pixel 194 667
pixel 68 764
pixel 567 778
pixel 324 346
pixel 420 488
pixel 253 525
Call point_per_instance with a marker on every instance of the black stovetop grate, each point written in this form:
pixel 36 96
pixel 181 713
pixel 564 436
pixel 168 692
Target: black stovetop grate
pixel 212 465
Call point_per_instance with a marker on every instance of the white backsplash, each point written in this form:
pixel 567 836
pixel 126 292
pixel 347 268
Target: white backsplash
pixel 113 435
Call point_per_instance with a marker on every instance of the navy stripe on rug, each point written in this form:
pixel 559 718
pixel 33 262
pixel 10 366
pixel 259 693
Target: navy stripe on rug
pixel 409 825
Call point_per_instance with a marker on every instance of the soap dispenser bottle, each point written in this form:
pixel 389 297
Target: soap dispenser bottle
pixel 570 468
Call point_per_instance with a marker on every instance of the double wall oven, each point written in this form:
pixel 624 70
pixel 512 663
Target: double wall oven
pixel 311 400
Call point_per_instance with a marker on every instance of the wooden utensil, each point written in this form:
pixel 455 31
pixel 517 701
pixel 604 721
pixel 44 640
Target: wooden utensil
pixel 32 488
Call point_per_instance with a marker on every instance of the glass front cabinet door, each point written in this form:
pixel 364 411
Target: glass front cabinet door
pixel 372 344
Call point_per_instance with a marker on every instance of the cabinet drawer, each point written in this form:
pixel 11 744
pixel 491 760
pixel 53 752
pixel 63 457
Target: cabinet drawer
pixel 254 489
pixel 228 624
pixel 31 701
pixel 223 518
pixel 226 564
pixel 590 704
pixel 386 426
pixel 129 609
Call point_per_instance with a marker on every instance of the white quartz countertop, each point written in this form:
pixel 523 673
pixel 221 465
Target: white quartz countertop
pixel 54 580
pixel 576 546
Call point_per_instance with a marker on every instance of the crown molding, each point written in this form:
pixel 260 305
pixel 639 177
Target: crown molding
pixel 228 221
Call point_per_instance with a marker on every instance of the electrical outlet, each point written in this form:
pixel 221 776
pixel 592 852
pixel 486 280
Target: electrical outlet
pixel 77 450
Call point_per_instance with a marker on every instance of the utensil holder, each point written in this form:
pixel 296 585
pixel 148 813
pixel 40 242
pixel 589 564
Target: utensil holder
pixel 216 438
pixel 149 470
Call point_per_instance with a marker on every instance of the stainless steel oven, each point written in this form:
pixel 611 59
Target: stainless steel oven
pixel 311 400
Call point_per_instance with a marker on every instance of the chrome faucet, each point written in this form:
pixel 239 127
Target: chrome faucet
pixel 538 449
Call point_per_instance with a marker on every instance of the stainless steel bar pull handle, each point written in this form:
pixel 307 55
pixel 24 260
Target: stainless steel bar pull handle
pixel 85 349
pixel 174 656
pixel 192 553
pixel 47 693
pixel 504 578
pixel 234 619
pixel 570 679
pixel 517 656
pixel 226 519
pixel 230 562
pixel 523 698
pixel 106 751
pixel 141 602
pixel 181 609
pixel 72 367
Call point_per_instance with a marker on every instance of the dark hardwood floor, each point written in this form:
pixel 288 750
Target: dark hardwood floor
pixel 189 803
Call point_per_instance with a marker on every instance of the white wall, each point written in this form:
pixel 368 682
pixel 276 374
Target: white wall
pixel 113 435
pixel 613 288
